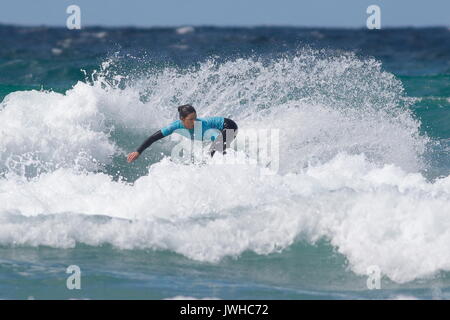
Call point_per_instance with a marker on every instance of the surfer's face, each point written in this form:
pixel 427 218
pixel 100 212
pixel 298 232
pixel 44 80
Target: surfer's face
pixel 189 120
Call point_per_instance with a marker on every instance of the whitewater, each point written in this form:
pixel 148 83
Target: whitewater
pixel 355 170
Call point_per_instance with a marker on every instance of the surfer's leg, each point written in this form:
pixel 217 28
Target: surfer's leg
pixel 225 138
pixel 229 135
pixel 230 130
pixel 217 145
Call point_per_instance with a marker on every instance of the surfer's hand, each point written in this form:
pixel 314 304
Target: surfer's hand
pixel 133 156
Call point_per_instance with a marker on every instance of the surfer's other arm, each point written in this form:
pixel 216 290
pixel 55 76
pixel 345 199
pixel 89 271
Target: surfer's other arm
pixel 154 137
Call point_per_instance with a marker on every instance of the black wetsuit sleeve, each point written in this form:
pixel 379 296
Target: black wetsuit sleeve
pixel 154 137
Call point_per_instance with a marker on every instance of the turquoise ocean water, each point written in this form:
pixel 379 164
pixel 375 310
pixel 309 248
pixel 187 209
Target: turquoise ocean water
pixel 363 176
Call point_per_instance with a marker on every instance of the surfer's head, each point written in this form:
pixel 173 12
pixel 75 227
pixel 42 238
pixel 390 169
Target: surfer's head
pixel 187 115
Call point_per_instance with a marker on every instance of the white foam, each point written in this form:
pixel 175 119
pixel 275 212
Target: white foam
pixel 185 30
pixel 302 96
pixel 56 51
pixel 53 129
pixel 350 155
pixel 373 215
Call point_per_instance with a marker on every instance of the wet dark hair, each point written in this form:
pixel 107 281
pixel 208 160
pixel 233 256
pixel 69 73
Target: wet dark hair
pixel 185 110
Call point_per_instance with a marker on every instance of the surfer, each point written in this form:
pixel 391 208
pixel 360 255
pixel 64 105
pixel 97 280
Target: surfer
pixel 188 118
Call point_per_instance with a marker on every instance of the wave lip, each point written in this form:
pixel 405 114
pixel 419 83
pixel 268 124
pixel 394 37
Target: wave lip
pixel 323 103
pixel 46 130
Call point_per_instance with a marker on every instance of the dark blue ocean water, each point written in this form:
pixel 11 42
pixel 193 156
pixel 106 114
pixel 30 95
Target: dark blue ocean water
pixel 363 177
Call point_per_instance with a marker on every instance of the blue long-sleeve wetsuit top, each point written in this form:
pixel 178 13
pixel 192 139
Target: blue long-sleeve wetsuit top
pixel 201 126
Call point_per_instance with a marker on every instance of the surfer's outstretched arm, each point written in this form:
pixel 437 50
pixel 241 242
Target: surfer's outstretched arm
pixel 154 137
